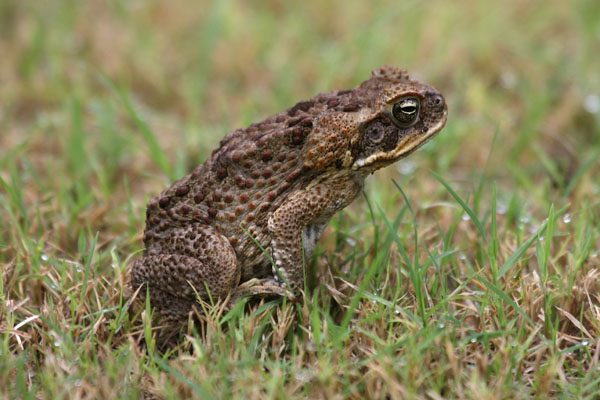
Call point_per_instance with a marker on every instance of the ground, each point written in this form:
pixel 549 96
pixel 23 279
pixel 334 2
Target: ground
pixel 469 270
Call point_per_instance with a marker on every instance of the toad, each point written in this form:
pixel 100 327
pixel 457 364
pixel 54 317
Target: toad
pixel 245 221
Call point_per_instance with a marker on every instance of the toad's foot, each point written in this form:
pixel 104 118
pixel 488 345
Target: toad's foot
pixel 263 288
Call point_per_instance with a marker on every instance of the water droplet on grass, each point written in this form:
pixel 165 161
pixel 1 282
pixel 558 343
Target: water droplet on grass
pixel 567 218
pixel 303 376
pixel 406 167
pixel 473 340
pixel 591 103
pixel 508 80
pixel 501 209
pixel 585 342
pixel 465 217
pixel 441 326
pixel 44 257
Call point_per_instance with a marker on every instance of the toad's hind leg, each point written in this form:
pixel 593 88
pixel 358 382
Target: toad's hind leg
pixel 189 262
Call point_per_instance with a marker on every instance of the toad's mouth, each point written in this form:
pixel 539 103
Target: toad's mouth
pixel 405 146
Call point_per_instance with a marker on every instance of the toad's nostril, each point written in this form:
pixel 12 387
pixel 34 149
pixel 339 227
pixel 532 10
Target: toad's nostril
pixel 438 100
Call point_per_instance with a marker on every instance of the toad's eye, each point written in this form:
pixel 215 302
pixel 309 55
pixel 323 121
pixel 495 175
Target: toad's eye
pixel 406 111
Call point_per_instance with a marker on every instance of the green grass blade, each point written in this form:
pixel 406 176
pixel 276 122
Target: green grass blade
pixel 464 206
pixel 512 260
pixel 498 292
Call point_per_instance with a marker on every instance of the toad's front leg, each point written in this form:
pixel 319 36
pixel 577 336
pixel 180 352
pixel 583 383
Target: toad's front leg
pixel 297 225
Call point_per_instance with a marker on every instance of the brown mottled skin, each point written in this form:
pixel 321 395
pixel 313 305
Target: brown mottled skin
pixel 278 183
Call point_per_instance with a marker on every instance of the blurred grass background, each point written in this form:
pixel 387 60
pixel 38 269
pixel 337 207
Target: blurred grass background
pixel 104 103
pixel 196 71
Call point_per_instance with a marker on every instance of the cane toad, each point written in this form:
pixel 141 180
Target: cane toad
pixel 246 220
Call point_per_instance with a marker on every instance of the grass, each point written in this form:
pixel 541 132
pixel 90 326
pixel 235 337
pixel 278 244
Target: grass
pixel 469 270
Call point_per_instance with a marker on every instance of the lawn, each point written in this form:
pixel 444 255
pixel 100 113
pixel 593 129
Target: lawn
pixel 469 270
